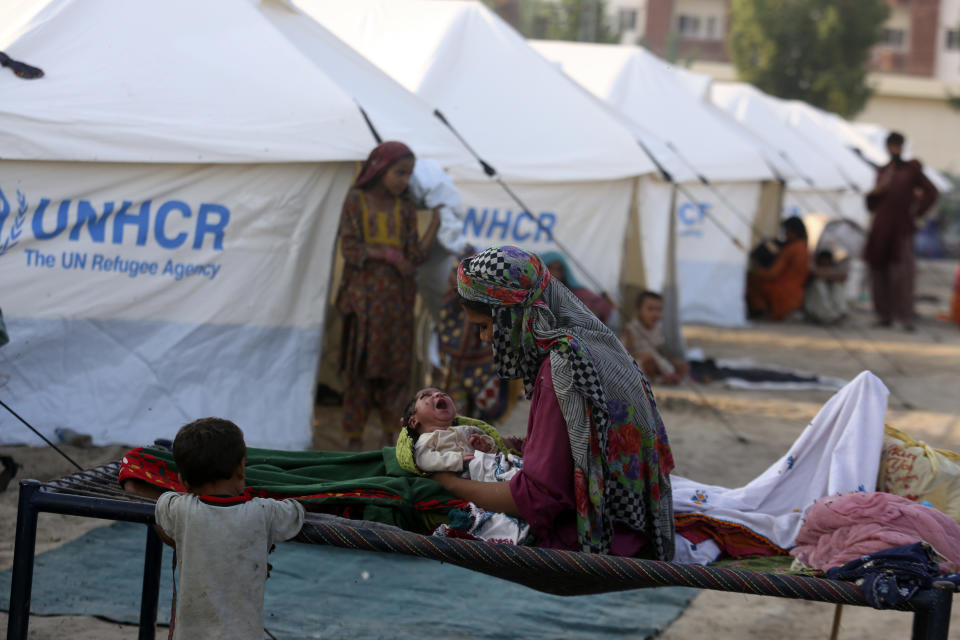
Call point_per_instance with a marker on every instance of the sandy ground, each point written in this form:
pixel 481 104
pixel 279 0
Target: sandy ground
pixel 706 425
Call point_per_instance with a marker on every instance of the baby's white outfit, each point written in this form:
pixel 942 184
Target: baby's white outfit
pixel 443 450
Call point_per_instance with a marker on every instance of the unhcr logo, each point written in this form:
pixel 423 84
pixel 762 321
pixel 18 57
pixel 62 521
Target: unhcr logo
pixel 11 236
pixel 206 224
pixel 691 216
pixel 173 225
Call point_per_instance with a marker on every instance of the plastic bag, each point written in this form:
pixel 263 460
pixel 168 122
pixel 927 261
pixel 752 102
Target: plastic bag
pixel 916 471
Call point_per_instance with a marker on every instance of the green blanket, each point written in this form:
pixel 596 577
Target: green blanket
pixel 369 485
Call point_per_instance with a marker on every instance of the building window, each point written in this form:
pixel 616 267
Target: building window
pixel 953 39
pixel 711 30
pixel 894 38
pixel 628 19
pixel 688 26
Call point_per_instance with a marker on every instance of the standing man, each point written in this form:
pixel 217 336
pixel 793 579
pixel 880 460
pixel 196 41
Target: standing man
pixel 902 195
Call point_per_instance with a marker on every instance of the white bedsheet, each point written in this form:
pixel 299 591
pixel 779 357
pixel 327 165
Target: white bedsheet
pixel 838 452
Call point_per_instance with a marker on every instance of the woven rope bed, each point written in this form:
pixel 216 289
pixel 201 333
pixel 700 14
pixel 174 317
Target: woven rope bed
pixel 95 493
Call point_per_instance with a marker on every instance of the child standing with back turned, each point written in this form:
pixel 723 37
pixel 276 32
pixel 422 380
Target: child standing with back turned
pixel 222 535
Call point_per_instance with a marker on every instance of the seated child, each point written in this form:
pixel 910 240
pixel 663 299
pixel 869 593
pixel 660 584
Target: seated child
pixel 222 536
pixel 643 338
pixel 825 300
pixel 442 441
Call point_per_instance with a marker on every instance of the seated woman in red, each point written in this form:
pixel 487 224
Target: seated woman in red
pixel 596 457
pixel 777 291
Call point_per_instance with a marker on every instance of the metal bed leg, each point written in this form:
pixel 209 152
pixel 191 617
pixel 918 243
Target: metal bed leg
pixel 149 600
pixel 24 550
pixel 932 622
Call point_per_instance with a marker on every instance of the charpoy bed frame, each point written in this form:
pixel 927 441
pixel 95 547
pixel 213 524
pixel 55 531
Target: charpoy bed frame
pixel 95 493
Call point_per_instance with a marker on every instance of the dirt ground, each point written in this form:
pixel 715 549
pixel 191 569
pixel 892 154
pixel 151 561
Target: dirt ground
pixel 706 425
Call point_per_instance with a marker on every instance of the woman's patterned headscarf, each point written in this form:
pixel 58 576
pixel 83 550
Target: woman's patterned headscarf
pixel 621 456
pixel 379 160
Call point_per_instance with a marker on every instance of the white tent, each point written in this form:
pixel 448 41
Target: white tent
pixel 566 158
pixel 110 95
pixel 171 190
pixel 810 123
pixel 849 148
pixel 815 181
pixel 792 158
pixel 650 94
pixel 702 86
pixel 719 169
pixel 394 112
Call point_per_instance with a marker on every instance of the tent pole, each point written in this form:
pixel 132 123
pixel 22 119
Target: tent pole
pixel 673 334
pixel 781 194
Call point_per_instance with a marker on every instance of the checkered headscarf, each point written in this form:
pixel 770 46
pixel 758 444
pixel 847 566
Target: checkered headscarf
pixel 620 451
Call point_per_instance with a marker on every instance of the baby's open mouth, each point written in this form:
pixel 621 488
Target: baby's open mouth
pixel 441 403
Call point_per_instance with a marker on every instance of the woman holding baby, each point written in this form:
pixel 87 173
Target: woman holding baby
pixel 596 464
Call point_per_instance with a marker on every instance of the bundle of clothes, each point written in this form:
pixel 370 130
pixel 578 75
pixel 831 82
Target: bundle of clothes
pixel 852 497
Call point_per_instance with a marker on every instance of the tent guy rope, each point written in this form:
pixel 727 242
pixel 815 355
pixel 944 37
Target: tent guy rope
pixel 44 438
pixel 669 178
pixel 491 172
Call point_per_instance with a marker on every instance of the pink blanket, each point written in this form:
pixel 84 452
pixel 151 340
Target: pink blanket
pixel 842 528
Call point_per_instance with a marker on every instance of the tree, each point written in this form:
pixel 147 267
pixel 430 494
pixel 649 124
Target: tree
pixel 584 20
pixel 671 51
pixel 810 50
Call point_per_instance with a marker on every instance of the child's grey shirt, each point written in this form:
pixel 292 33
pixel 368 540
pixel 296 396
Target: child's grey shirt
pixel 222 547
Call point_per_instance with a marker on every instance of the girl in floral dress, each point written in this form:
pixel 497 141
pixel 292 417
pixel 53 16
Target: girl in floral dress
pixel 381 250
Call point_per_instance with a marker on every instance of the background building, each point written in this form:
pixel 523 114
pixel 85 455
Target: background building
pixel 915 68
